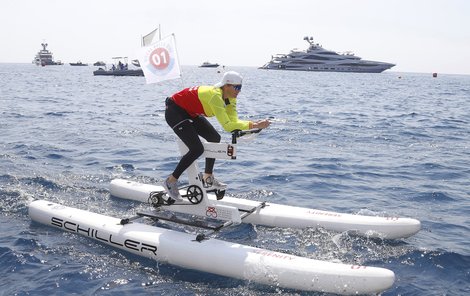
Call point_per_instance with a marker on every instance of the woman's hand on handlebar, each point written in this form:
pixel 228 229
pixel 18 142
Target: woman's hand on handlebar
pixel 261 123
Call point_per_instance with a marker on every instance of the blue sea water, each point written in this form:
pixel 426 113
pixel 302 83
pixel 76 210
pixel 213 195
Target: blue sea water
pixel 393 144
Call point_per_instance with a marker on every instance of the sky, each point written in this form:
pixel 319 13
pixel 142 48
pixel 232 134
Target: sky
pixel 421 36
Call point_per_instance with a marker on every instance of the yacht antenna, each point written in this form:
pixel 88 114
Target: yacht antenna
pixel 309 39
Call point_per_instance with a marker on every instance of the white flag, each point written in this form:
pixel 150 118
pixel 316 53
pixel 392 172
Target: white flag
pixel 147 39
pixel 159 61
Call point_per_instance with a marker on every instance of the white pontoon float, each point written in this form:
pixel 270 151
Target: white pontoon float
pixel 215 256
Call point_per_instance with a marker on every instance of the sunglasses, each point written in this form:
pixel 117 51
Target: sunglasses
pixel 237 87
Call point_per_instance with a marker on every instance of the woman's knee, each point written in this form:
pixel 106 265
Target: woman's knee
pixel 197 150
pixel 214 138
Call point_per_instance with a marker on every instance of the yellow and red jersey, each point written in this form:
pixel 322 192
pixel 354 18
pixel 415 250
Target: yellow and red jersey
pixel 207 101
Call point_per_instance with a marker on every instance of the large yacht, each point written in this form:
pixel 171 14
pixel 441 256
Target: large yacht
pixel 44 57
pixel 316 58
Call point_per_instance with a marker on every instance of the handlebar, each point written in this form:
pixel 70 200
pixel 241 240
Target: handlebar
pixel 239 133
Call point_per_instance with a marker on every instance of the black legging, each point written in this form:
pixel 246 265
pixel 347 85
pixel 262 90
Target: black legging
pixel 188 130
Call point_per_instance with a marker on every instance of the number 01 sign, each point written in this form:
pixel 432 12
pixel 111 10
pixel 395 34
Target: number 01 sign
pixel 159 60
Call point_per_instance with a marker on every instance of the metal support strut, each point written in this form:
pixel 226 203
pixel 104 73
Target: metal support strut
pixel 202 236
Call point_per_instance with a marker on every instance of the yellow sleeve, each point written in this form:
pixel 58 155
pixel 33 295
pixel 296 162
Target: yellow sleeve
pixel 233 115
pixel 227 115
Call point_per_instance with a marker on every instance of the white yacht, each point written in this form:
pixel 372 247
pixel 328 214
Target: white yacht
pixel 44 57
pixel 316 58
